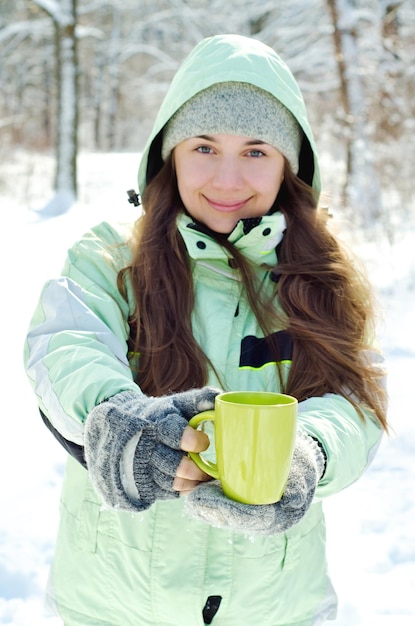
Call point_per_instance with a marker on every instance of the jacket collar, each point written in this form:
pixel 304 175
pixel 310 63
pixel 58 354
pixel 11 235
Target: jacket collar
pixel 258 244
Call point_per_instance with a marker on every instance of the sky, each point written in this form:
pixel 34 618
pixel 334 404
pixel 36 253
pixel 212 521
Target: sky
pixel 370 525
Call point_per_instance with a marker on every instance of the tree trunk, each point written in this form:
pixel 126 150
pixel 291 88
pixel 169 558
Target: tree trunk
pixel 67 80
pixel 114 78
pixel 64 15
pixel 98 93
pixel 362 192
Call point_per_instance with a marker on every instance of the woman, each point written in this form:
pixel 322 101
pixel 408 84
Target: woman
pixel 230 280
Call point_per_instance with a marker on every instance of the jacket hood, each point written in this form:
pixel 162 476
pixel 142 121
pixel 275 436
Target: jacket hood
pixel 227 58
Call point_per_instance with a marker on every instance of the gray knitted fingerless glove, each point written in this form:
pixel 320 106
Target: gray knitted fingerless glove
pixel 208 502
pixel 132 445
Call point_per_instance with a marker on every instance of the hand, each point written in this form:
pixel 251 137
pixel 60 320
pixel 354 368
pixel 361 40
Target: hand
pixel 208 502
pixel 188 475
pixel 133 446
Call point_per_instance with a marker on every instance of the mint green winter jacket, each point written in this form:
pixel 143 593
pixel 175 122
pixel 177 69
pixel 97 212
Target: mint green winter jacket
pixel 158 567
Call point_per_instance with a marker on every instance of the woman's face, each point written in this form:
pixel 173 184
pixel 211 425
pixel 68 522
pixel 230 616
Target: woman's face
pixel 225 178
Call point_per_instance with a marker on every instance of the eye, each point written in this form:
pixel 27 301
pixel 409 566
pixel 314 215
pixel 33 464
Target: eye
pixel 256 153
pixel 204 149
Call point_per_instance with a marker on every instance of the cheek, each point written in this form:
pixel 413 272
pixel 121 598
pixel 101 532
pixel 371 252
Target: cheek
pixel 184 193
pixel 270 186
pixel 277 188
pixel 183 180
pixel 189 178
pixel 188 190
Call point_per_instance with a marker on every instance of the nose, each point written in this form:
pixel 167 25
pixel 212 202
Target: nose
pixel 228 174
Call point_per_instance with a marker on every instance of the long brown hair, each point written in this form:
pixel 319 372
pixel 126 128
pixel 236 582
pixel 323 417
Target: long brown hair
pixel 326 303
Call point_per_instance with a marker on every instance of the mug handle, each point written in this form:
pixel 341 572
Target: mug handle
pixel 206 466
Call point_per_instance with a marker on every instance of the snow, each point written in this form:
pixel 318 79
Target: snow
pixel 371 541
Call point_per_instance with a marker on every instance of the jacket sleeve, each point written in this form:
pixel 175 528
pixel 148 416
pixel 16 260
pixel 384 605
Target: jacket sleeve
pixel 349 442
pixel 76 347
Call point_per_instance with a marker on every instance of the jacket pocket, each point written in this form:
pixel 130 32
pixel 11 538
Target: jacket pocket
pixel 87 526
pixel 258 547
pixel 81 505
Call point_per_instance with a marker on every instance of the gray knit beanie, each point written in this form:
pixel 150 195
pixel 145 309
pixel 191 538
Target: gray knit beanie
pixel 236 108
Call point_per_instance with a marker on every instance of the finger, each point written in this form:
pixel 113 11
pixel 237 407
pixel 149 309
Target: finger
pixel 188 470
pixel 185 492
pixel 194 440
pixel 188 476
pixel 184 486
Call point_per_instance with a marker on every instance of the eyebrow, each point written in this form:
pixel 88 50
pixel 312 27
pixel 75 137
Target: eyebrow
pixel 251 142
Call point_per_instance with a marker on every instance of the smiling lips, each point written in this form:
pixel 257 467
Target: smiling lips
pixel 227 206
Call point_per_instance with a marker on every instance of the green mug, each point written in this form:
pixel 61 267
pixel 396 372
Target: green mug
pixel 254 443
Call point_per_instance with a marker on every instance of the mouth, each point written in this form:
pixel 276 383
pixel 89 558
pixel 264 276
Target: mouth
pixel 227 206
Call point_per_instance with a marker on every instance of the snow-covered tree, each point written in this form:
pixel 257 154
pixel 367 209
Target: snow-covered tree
pixel 64 16
pixel 362 192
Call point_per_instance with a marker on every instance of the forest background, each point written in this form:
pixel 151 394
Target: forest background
pixel 89 76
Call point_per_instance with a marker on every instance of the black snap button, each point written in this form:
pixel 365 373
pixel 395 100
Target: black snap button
pixel 266 231
pixel 201 245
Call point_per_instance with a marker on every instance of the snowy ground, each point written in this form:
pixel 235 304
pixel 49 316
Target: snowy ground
pixel 370 525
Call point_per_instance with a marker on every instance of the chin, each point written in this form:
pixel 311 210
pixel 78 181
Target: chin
pixel 223 229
